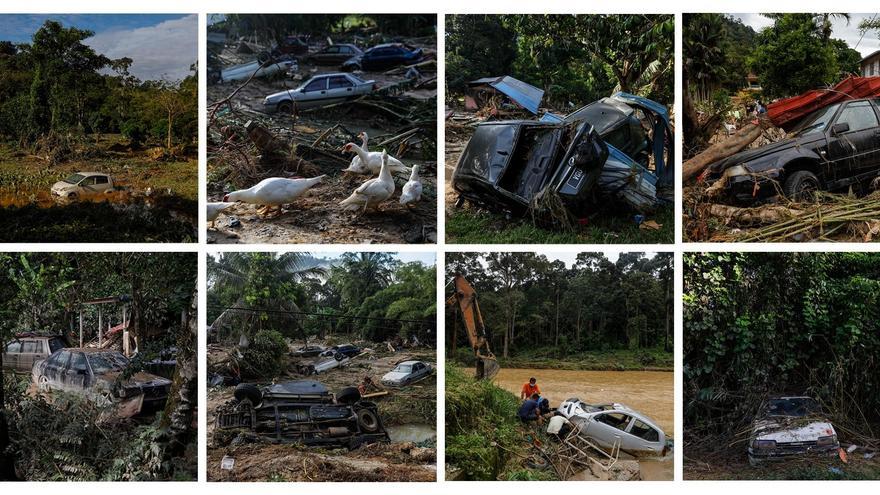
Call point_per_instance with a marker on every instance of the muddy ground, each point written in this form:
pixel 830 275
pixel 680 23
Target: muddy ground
pixel 733 464
pixel 409 414
pixel 234 164
pixel 158 203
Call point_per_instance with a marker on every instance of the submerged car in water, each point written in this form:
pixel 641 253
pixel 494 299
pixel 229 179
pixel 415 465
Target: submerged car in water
pixel 618 147
pixel 406 372
pixel 98 375
pixel 304 412
pixel 833 149
pixel 790 426
pixel 613 426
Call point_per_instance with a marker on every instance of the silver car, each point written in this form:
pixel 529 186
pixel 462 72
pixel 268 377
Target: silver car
pixel 790 427
pixel 406 372
pixel 319 91
pixel 611 425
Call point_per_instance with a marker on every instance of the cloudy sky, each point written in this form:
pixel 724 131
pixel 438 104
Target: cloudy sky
pixel 848 32
pixel 162 46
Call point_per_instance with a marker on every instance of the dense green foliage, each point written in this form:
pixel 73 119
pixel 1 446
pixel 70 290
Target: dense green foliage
pixel 264 355
pixel 758 324
pixel 369 295
pixel 529 302
pixel 479 416
pixel 277 26
pixel 796 54
pixel 57 86
pixel 576 59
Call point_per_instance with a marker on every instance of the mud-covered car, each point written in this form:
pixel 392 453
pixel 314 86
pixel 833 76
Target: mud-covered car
pixel 347 350
pixel 790 426
pixel 406 372
pixel 319 91
pixel 618 147
pixel 306 412
pixel 308 351
pixel 334 54
pixel 98 374
pixel 833 149
pixel 25 349
pixel 615 425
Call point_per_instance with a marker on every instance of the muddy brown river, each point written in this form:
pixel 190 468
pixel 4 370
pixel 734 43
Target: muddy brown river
pixel 650 392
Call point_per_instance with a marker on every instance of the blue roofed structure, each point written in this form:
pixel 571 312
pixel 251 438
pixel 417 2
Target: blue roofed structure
pixel 523 94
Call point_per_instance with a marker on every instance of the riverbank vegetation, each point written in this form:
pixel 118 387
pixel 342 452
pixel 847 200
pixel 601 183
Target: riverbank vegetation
pixel 596 314
pixel 762 324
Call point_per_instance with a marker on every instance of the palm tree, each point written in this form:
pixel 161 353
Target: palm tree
pixel 823 23
pixel 256 279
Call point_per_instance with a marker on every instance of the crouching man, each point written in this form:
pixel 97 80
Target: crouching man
pixel 530 410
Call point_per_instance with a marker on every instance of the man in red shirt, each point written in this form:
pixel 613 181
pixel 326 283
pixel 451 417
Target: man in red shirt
pixel 529 388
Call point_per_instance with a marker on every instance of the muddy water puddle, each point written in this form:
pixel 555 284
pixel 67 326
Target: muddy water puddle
pixel 650 392
pixel 411 433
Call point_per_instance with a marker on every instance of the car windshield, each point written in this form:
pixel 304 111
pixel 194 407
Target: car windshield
pixel 817 122
pixel 356 79
pixel 74 179
pixel 795 407
pixel 106 362
pixel 403 368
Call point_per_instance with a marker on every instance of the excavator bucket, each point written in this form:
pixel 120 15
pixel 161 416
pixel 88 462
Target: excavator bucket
pixel 487 368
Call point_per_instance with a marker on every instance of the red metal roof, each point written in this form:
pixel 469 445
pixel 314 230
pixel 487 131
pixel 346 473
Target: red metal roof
pixel 788 112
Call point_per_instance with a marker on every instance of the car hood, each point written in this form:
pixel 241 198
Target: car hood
pixel 394 376
pixel 787 431
pixel 139 379
pixel 753 154
pixel 287 93
pixel 62 185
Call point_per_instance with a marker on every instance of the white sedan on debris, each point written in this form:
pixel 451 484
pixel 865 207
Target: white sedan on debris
pixel 790 426
pixel 405 373
pixel 610 425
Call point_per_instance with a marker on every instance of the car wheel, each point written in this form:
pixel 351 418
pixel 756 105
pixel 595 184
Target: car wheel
pixel 339 356
pixel 72 196
pixel 368 420
pixel 348 395
pixel 263 57
pixel 248 391
pixel 285 107
pixel 801 186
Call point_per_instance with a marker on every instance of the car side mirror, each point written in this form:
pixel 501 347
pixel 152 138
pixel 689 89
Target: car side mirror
pixel 839 128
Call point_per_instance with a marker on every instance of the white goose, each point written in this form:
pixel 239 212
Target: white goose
pixel 214 210
pixel 355 165
pixel 412 190
pixel 372 192
pixel 370 162
pixel 273 192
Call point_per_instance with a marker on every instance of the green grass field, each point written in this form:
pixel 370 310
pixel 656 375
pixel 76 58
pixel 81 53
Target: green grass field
pixel 465 226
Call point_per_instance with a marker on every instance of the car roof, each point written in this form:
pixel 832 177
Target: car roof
pixel 89 174
pixel 388 45
pixel 408 362
pixel 90 350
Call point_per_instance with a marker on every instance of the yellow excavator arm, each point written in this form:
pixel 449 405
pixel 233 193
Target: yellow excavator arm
pixel 465 300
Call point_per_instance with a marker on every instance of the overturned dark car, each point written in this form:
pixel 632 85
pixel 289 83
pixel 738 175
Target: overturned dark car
pixel 832 149
pixel 306 412
pixel 617 148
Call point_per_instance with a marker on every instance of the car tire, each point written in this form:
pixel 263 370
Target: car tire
pixel 248 391
pixel 348 395
pixel 368 420
pixel 72 196
pixel 801 185
pixel 263 57
pixel 285 107
pixel 339 356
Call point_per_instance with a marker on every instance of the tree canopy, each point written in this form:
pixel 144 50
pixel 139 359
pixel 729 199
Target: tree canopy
pixel 573 58
pixel 56 84
pixel 529 302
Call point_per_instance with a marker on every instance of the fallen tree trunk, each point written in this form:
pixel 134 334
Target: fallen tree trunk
pixel 718 151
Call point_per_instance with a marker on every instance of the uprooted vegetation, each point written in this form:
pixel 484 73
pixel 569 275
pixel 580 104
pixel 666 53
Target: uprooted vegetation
pixel 66 439
pixel 760 325
pixel 399 116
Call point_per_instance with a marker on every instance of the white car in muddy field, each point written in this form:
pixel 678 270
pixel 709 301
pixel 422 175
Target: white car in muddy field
pixel 83 184
pixel 790 426
pixel 610 425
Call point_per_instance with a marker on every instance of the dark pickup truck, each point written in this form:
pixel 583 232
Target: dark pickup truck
pixel 306 412
pixel 833 149
pixel 603 149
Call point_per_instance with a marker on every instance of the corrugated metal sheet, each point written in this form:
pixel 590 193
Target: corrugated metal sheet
pixel 524 94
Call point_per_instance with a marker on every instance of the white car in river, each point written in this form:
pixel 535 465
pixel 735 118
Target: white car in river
pixel 609 425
